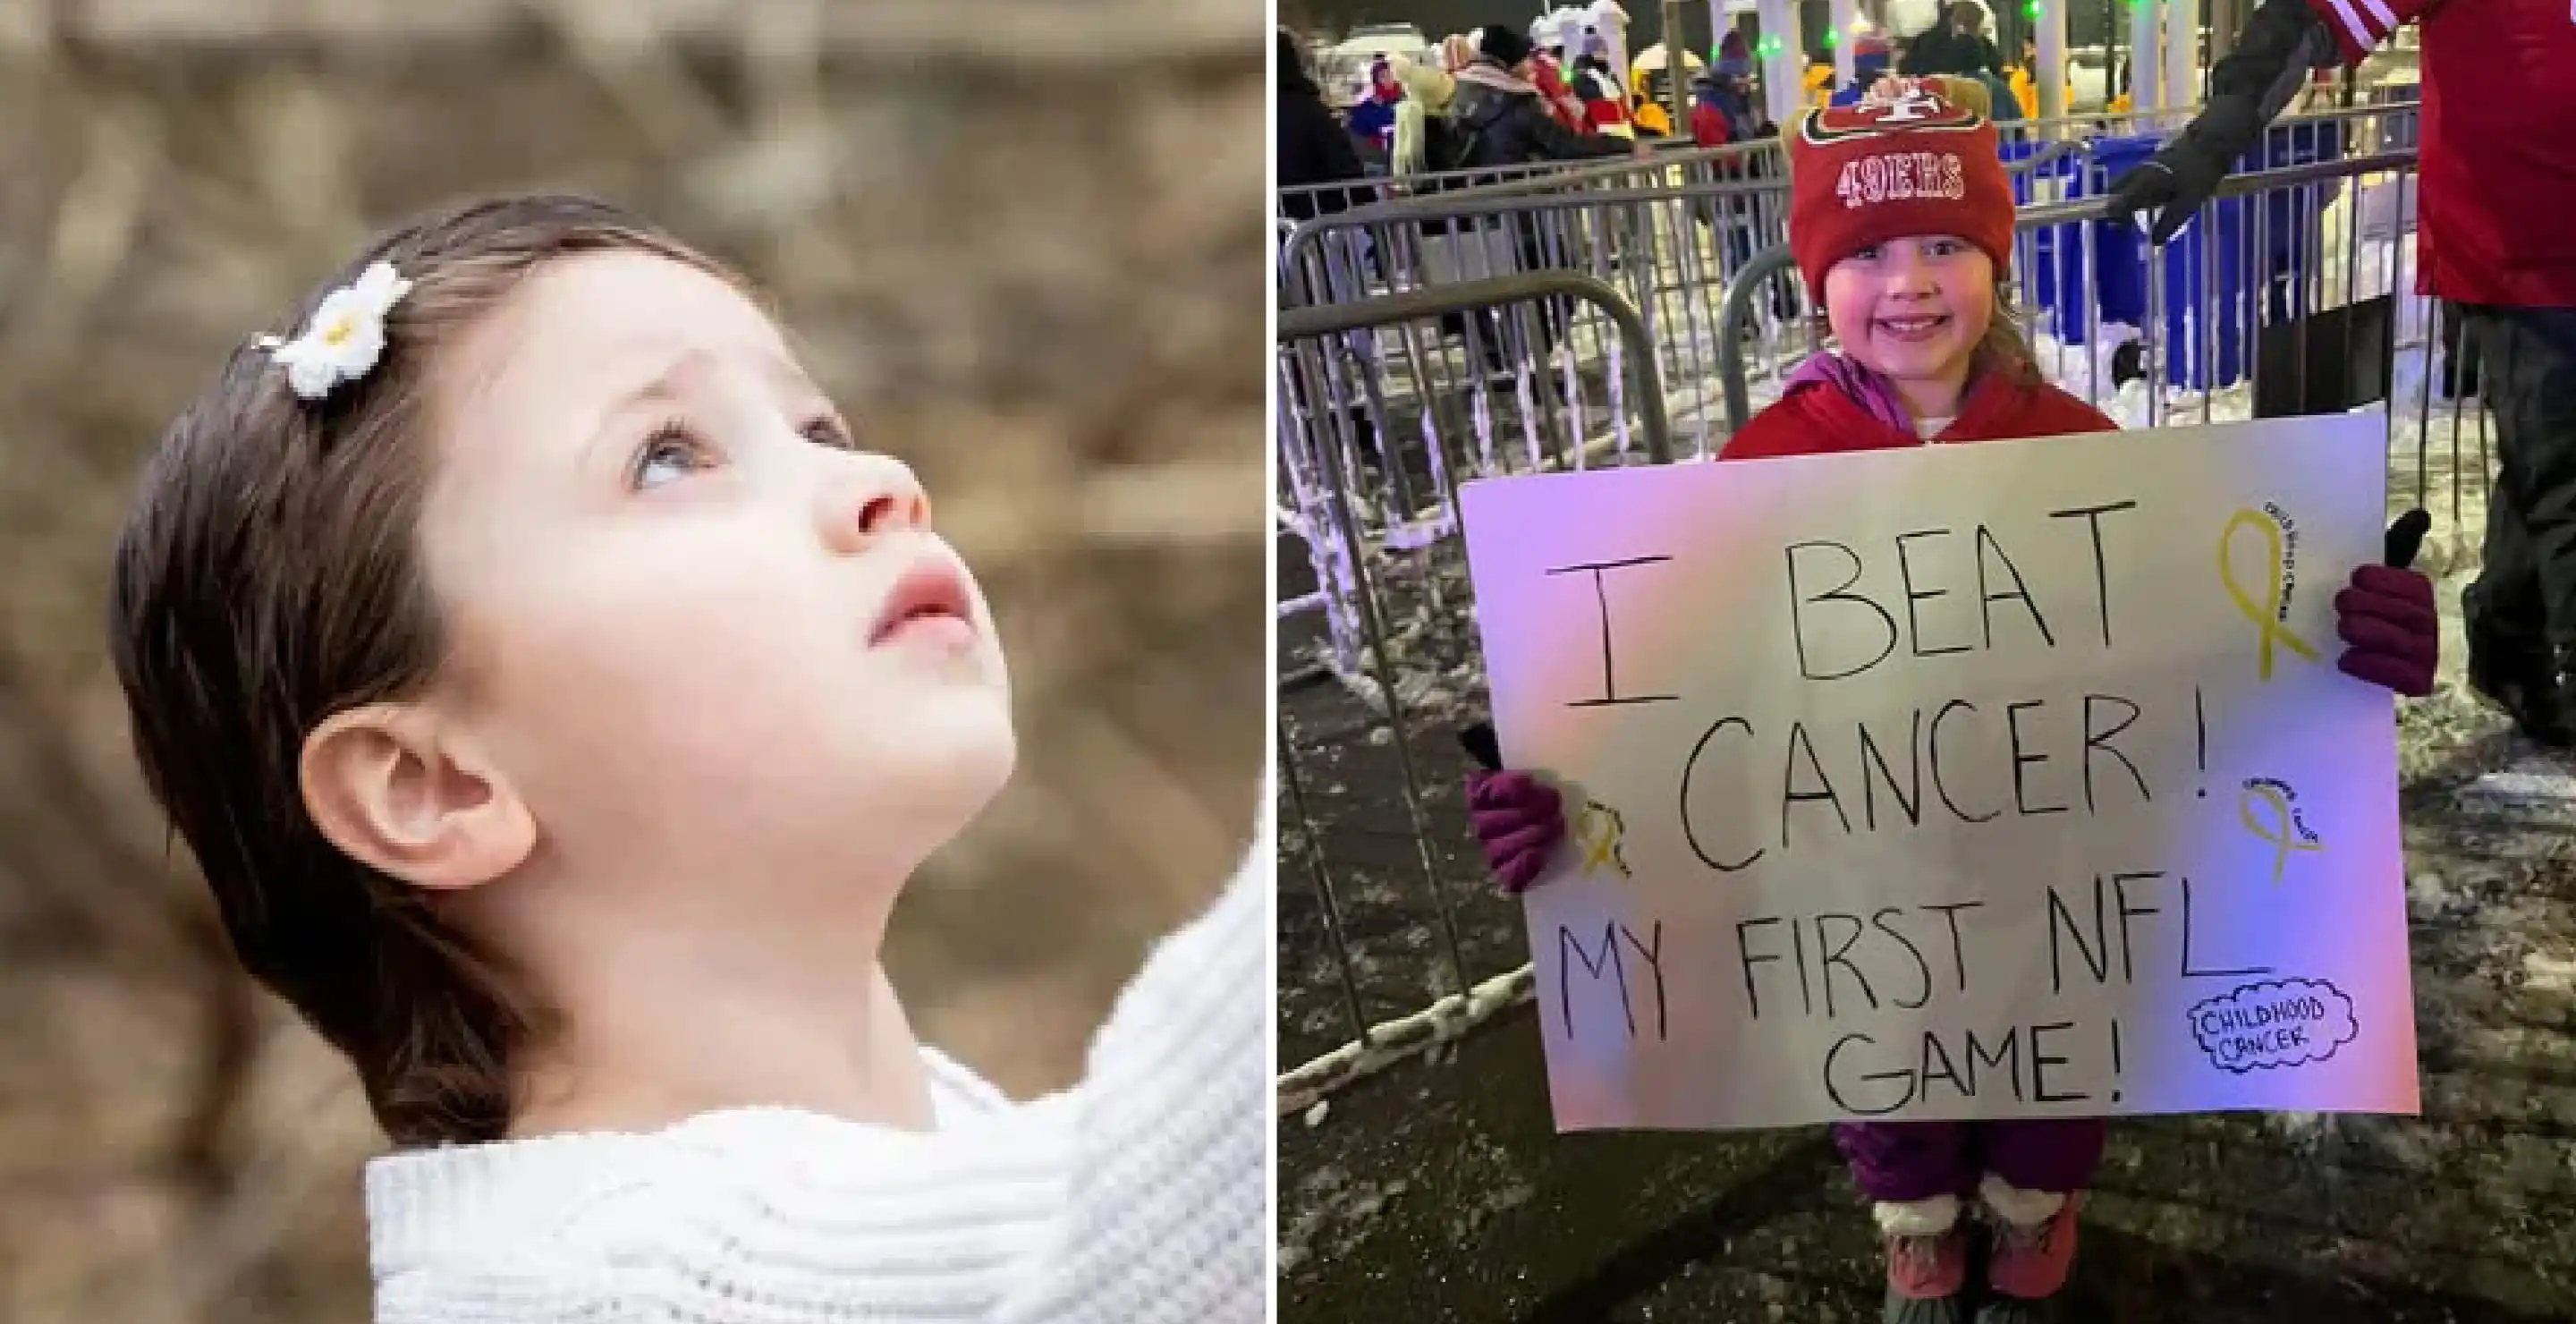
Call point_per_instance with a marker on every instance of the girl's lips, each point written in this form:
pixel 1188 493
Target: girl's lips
pixel 941 633
pixel 1912 328
pixel 929 602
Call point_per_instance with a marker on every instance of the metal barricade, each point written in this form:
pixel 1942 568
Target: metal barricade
pixel 1302 202
pixel 1400 619
pixel 1427 200
pixel 1536 380
pixel 1672 248
pixel 1668 248
pixel 1382 418
pixel 1336 420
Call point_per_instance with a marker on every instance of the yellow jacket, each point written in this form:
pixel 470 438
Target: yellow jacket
pixel 2025 90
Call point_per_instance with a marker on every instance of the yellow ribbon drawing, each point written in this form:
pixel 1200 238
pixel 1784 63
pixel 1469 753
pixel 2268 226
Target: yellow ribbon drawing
pixel 2268 625
pixel 1598 832
pixel 2282 833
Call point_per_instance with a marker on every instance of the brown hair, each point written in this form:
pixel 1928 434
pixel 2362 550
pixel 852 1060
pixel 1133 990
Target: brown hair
pixel 2003 348
pixel 1967 94
pixel 269 577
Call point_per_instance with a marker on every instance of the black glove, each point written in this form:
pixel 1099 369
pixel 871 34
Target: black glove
pixel 2282 42
pixel 2406 537
pixel 1481 745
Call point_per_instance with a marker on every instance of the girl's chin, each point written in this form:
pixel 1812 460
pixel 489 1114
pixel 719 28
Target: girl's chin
pixel 1912 363
pixel 1940 343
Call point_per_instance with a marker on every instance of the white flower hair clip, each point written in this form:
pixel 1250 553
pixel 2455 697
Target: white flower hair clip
pixel 345 337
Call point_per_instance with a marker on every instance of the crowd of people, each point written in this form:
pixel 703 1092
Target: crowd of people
pixel 1567 89
pixel 1490 98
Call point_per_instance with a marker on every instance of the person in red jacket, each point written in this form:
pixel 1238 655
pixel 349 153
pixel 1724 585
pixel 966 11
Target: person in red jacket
pixel 2493 236
pixel 1604 97
pixel 1901 220
pixel 1547 74
pixel 1722 109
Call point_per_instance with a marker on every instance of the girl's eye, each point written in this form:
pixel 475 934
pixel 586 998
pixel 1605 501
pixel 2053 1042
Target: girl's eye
pixel 1869 254
pixel 1944 248
pixel 827 431
pixel 670 453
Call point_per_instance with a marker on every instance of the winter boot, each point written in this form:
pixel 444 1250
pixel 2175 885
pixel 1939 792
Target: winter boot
pixel 1924 1278
pixel 2031 1261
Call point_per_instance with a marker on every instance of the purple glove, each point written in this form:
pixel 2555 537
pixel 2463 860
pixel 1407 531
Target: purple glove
pixel 1519 820
pixel 2387 617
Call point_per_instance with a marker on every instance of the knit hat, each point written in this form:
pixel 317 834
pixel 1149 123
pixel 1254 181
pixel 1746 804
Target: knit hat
pixel 1912 164
pixel 1501 45
pixel 1733 59
pixel 1871 46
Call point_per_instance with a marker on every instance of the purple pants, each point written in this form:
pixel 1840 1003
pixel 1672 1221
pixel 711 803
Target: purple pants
pixel 1896 1162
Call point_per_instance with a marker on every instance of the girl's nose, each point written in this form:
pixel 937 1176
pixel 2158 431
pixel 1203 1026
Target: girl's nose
pixel 1907 272
pixel 876 496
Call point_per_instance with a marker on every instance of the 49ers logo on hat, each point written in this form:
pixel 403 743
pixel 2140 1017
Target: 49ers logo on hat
pixel 1898 176
pixel 1906 162
pixel 1908 107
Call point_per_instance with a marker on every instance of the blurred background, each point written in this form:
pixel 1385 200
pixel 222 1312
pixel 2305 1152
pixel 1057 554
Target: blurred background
pixel 1022 239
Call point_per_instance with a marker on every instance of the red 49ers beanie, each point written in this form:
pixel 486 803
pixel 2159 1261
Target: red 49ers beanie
pixel 1912 163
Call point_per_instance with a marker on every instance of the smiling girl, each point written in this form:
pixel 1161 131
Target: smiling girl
pixel 1901 221
pixel 556 690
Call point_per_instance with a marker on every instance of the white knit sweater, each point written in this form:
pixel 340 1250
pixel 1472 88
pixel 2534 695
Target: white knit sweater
pixel 1136 1197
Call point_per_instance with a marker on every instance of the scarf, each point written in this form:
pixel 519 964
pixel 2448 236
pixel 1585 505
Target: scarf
pixel 1875 394
pixel 1486 73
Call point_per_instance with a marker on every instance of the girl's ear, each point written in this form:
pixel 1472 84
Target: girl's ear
pixel 414 798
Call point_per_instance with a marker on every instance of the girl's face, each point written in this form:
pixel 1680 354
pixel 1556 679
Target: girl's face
pixel 697 620
pixel 1913 310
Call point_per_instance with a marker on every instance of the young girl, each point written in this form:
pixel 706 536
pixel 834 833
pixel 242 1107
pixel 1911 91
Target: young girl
pixel 1902 223
pixel 556 690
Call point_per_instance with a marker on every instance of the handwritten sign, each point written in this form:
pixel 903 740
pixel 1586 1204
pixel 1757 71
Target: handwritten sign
pixel 2003 780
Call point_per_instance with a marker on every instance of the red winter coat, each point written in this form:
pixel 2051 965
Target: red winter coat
pixel 1816 418
pixel 1559 99
pixel 1605 108
pixel 2498 168
pixel 1708 125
